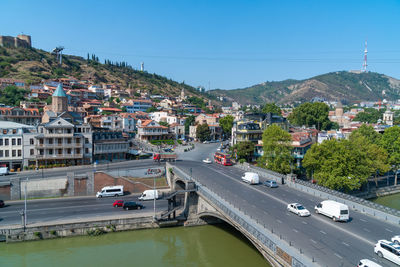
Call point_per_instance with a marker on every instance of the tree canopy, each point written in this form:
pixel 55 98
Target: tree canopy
pixel 369 115
pixel 272 108
pixel 391 142
pixel 312 114
pixel 203 132
pixel 188 122
pixel 368 132
pixel 227 123
pixel 244 150
pixel 12 95
pixel 277 150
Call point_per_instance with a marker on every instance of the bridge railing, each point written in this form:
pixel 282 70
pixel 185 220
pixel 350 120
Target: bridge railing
pixel 270 239
pixel 365 206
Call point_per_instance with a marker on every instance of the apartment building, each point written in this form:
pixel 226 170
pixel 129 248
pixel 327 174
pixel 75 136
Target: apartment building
pixel 109 146
pixel 151 130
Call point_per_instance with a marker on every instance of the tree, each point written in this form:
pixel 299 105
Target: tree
pixel 391 142
pixel 338 164
pixel 368 132
pixel 244 150
pixel 151 109
pixel 227 123
pixel 188 122
pixel 272 108
pixel 203 132
pixel 369 115
pixel 11 95
pixel 277 149
pixel 164 123
pixel 312 114
pixel 48 100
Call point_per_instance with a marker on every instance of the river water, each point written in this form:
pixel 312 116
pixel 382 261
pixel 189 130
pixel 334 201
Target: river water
pixel 207 245
pixel 392 201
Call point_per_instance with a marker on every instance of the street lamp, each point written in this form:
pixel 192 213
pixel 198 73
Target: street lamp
pixel 154 197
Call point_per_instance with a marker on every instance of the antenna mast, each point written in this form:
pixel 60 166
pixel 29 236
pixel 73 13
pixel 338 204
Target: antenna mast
pixel 364 69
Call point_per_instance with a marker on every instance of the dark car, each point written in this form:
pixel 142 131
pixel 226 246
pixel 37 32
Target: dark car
pixel 270 183
pixel 132 205
pixel 1 203
pixel 118 203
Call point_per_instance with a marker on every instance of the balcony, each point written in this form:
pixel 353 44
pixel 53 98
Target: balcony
pixel 58 135
pixel 60 156
pixel 57 145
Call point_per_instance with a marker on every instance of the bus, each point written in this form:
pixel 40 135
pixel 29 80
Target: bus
pixel 222 158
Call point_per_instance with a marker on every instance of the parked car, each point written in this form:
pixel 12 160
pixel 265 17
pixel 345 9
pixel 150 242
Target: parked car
pixel 118 203
pixel 368 263
pixel 271 183
pixel 1 203
pixel 298 209
pixel 132 205
pixel 388 250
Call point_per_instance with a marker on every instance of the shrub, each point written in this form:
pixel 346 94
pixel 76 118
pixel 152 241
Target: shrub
pixel 242 161
pixel 53 232
pixel 38 235
pixel 95 232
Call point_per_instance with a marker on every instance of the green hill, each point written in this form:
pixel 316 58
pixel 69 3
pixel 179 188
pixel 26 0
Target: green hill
pixel 342 85
pixel 33 65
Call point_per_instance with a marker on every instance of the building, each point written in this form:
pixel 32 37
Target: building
pixel 12 140
pixel 109 146
pixel 207 118
pixel 21 40
pixel 150 130
pixel 388 117
pixel 246 131
pixel 29 116
pixel 301 142
pixel 138 105
pixel 177 130
pixel 61 142
pixel 59 102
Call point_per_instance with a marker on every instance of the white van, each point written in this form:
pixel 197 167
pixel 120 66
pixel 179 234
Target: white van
pixel 3 171
pixel 335 210
pixel 251 178
pixel 149 194
pixel 111 191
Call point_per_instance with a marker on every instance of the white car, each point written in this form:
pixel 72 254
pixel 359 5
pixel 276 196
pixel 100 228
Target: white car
pixel 396 239
pixel 298 209
pixel 207 160
pixel 388 250
pixel 368 263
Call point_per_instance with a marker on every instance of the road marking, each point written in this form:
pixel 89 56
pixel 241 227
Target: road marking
pixel 363 220
pixel 322 232
pixel 295 230
pixel 347 245
pixel 389 230
pixel 366 230
pixel 279 221
pixel 304 222
pixel 315 242
pixel 337 255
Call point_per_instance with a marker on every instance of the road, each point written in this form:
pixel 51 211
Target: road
pixel 330 243
pixel 77 208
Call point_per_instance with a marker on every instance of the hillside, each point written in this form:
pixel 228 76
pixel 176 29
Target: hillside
pixel 344 86
pixel 33 65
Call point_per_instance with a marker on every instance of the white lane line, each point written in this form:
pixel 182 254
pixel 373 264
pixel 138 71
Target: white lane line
pixel 363 220
pixel 315 242
pixel 322 232
pixel 390 231
pixel 337 255
pixel 304 222
pixel 366 230
pixel 347 245
pixel 295 230
pixel 279 221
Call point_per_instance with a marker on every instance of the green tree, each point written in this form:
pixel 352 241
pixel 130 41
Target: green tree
pixel 227 123
pixel 338 164
pixel 312 114
pixel 12 95
pixel 277 150
pixel 151 109
pixel 272 108
pixel 368 132
pixel 244 150
pixel 369 115
pixel 164 123
pixel 203 132
pixel 188 122
pixel 391 142
pixel 48 100
pixel 123 109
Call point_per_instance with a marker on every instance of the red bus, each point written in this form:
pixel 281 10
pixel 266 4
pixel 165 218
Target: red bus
pixel 222 158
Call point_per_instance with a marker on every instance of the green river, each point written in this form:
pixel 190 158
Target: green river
pixel 179 246
pixel 392 201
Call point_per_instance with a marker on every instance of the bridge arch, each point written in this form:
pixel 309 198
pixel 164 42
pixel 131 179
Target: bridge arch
pixel 210 215
pixel 179 184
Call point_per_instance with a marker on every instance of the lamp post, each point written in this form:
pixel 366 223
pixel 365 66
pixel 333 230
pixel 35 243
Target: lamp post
pixel 154 197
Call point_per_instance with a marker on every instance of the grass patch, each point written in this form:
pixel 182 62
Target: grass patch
pixel 160 181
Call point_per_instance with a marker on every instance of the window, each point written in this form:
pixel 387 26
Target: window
pixel 14 153
pixel 1 153
pixel 59 151
pixel 1 141
pixel 31 141
pixel 78 151
pixel 7 153
pixel 31 152
pixel 4 131
pixel 51 141
pixel 14 131
pixel 19 152
pixel 13 141
pixel 6 142
pixel 69 151
pixel 19 141
pixel 86 140
pixel 86 150
pixel 50 151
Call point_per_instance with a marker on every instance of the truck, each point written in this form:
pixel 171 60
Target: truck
pixel 164 157
pixel 335 210
pixel 3 170
pixel 149 195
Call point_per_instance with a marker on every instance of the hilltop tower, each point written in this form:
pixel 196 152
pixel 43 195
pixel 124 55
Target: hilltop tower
pixel 59 102
pixel 365 65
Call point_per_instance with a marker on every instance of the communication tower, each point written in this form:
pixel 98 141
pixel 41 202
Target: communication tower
pixel 142 66
pixel 58 51
pixel 364 68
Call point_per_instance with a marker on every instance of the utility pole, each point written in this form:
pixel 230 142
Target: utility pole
pixel 154 197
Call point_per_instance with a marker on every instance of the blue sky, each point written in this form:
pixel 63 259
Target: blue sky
pixel 221 44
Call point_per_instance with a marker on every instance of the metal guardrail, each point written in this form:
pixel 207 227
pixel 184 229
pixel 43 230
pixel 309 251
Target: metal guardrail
pixel 365 206
pixel 268 238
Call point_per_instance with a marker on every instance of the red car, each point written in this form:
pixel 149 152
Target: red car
pixel 118 203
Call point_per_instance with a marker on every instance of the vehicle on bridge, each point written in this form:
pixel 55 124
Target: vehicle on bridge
pixel 3 170
pixel 164 157
pixel 368 263
pixel 149 195
pixel 222 158
pixel 111 191
pixel 1 203
pixel 207 160
pixel 251 178
pixel 298 209
pixel 386 249
pixel 118 203
pixel 335 210
pixel 396 239
pixel 271 184
pixel 132 205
